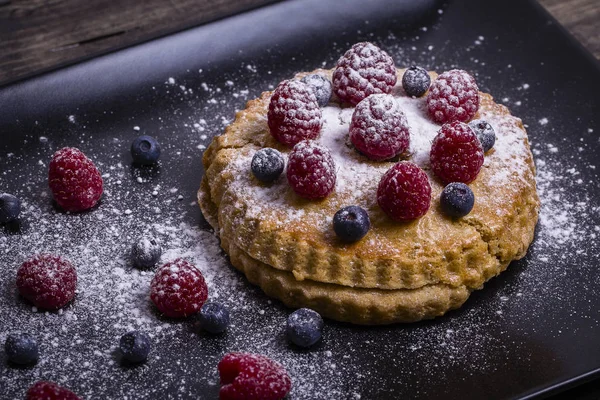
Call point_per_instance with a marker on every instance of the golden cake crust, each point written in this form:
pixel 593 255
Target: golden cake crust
pixel 286 244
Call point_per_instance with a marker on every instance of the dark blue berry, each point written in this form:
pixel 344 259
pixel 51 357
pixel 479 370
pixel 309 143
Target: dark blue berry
pixel 351 223
pixel 321 87
pixel 457 199
pixel 135 346
pixel 145 150
pixel 267 164
pixel 304 327
pixel 21 348
pixel 10 208
pixel 416 81
pixel 214 318
pixel 485 133
pixel 146 252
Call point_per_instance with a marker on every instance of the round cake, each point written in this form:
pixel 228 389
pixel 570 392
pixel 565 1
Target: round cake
pixel 401 271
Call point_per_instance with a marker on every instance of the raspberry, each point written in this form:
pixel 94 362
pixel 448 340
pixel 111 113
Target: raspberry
pixel 47 281
pixel 252 377
pixel 178 289
pixel 311 170
pixel 363 70
pixel 294 113
pixel 74 180
pixel 456 153
pixel 453 96
pixel 379 128
pixel 404 192
pixel 44 390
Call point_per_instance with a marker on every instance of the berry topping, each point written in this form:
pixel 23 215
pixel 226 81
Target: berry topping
pixel 178 289
pixel 351 223
pixel 456 153
pixel 304 327
pixel 320 86
pixel 214 318
pixel 10 208
pixel 252 377
pixel 457 199
pixel 404 192
pixel 416 81
pixel 145 150
pixel 44 390
pixel 21 349
pixel 311 170
pixel 363 70
pixel 47 281
pixel 294 114
pixel 453 96
pixel 135 346
pixel 485 133
pixel 146 252
pixel 379 128
pixel 74 180
pixel 267 164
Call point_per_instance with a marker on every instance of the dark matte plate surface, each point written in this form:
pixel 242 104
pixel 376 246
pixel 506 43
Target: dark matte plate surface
pixel 531 330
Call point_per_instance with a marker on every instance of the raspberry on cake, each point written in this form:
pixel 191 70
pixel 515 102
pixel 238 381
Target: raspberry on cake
pixel 456 153
pixel 48 281
pixel 74 180
pixel 363 70
pixel 415 262
pixel 379 128
pixel 453 96
pixel 311 170
pixel 178 289
pixel 294 114
pixel 252 377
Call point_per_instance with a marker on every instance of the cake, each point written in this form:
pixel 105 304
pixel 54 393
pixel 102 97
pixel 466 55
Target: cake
pixel 401 271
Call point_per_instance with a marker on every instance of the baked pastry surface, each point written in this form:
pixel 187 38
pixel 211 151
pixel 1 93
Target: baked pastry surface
pixel 400 271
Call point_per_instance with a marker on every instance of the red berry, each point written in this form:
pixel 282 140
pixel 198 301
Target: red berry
pixel 363 70
pixel 379 128
pixel 252 377
pixel 404 192
pixel 178 289
pixel 74 180
pixel 294 113
pixel 44 390
pixel 453 96
pixel 456 153
pixel 311 170
pixel 47 281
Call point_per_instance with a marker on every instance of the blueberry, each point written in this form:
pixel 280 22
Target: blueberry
pixel 267 164
pixel 457 199
pixel 146 252
pixel 485 133
pixel 145 150
pixel 321 87
pixel 135 346
pixel 351 223
pixel 21 348
pixel 10 208
pixel 415 81
pixel 304 327
pixel 214 318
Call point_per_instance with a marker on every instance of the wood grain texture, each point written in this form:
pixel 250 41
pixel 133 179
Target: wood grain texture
pixel 40 34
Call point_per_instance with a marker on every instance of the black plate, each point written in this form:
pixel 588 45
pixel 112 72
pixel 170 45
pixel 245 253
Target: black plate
pixel 532 331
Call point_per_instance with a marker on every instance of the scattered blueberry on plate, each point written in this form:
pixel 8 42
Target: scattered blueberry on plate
pixel 135 346
pixel 304 327
pixel 10 208
pixel 214 318
pixel 146 252
pixel 457 199
pixel 145 150
pixel 21 348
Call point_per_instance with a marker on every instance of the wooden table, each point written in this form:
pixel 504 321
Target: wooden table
pixel 40 34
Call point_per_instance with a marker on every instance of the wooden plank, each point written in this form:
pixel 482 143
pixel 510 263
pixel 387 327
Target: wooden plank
pixel 40 34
